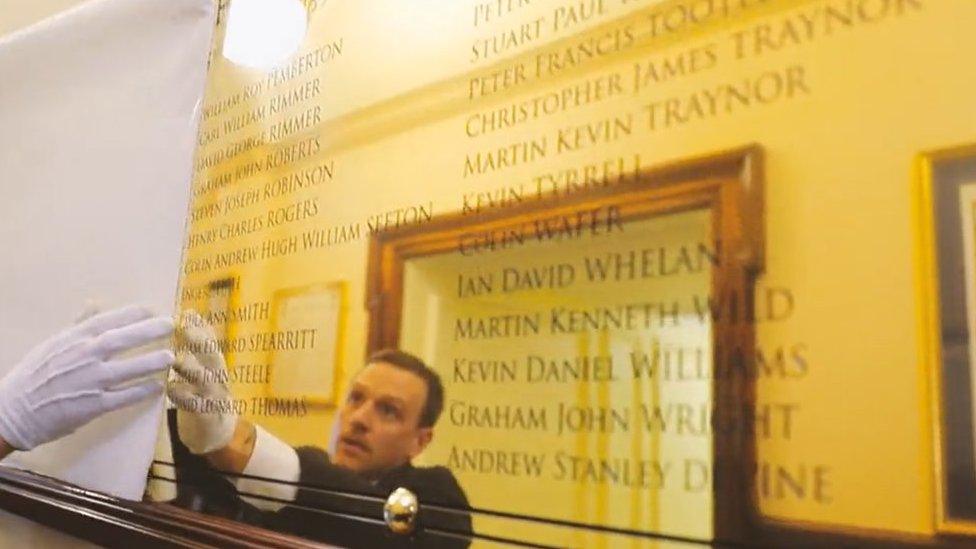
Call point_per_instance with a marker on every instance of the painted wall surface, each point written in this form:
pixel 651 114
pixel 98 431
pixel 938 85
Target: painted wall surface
pixel 382 121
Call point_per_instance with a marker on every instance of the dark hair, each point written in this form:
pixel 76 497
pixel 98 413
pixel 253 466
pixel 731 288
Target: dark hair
pixel 435 389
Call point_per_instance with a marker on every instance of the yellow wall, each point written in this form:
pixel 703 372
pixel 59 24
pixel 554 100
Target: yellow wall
pixel 859 103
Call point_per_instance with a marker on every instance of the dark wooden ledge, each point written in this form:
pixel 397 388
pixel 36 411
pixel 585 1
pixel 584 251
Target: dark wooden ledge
pixel 112 522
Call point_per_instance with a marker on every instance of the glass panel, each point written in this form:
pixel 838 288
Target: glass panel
pixel 577 375
pixel 779 169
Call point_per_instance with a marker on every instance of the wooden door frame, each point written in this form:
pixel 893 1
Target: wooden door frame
pixel 729 184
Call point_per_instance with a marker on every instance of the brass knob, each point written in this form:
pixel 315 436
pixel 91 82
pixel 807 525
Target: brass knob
pixel 400 511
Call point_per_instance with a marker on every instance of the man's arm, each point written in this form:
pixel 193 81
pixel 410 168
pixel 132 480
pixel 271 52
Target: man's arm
pixel 233 458
pixel 258 463
pixel 270 468
pixel 255 452
pixel 208 425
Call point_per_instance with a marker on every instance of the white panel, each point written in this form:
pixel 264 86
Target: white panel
pixel 98 115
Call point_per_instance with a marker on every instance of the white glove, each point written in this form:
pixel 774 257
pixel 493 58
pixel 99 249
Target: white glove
pixel 70 379
pixel 206 418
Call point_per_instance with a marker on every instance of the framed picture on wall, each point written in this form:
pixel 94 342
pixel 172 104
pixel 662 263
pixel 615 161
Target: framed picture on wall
pixel 947 217
pixel 314 316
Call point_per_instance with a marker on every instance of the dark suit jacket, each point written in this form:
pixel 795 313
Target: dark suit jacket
pixel 333 504
pixel 443 505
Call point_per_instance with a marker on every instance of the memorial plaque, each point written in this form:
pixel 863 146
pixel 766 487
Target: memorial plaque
pixel 666 258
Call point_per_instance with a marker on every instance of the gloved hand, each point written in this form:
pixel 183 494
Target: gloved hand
pixel 72 378
pixel 206 418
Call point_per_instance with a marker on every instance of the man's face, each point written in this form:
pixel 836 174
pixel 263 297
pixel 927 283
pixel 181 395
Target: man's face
pixel 379 423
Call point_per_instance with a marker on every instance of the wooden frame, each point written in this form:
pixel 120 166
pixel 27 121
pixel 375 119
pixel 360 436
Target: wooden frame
pixel 729 184
pixel 931 326
pixel 112 522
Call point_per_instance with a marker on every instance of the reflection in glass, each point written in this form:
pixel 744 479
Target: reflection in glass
pixel 577 374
